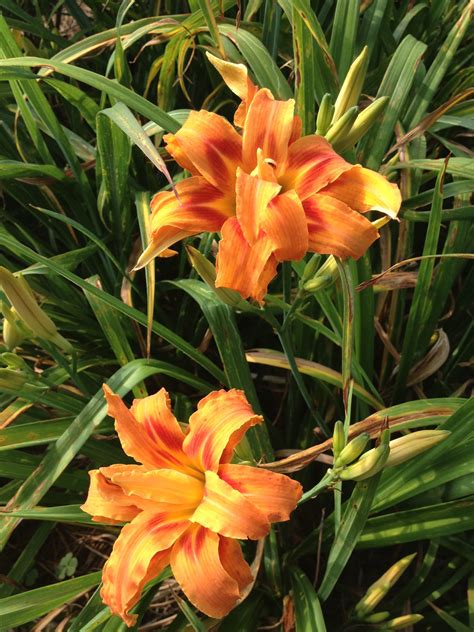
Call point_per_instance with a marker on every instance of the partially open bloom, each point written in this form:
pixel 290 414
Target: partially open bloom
pixel 186 504
pixel 270 193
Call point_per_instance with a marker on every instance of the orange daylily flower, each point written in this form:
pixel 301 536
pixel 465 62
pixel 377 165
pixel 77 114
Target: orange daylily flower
pixel 271 194
pixel 187 504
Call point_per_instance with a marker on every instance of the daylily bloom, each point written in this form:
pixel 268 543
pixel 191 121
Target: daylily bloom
pixel 270 193
pixel 187 504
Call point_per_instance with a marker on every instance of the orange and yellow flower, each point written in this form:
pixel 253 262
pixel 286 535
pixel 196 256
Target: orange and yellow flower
pixel 270 193
pixel 187 504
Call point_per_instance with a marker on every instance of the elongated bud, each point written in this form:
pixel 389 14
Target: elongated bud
pixel 324 277
pixel 415 443
pixel 318 283
pixel 208 274
pixel 399 623
pixel 11 381
pixel 369 463
pixel 12 334
pixel 338 438
pixel 311 268
pixel 377 617
pixel 353 450
pixel 364 122
pixel 23 301
pixel 377 591
pixel 339 130
pixel 325 114
pixel 352 87
pixel 14 361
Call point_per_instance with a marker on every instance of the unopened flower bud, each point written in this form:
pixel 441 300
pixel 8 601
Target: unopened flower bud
pixel 338 438
pixel 352 87
pixel 23 301
pixel 412 444
pixel 369 463
pixel 310 268
pixel 208 274
pixel 377 591
pixel 325 114
pixel 399 623
pixel 353 450
pixel 363 123
pixel 339 130
pixel 11 381
pixel 13 336
pixel 377 617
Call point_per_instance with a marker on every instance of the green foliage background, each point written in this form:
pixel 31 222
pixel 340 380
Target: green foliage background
pixel 74 210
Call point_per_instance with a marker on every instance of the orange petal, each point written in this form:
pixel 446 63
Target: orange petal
pixel 336 229
pixel 221 420
pixel 269 126
pixel 197 567
pixel 252 197
pixel 241 267
pixel 140 552
pixel 311 165
pixel 275 495
pixel 107 502
pixel 162 488
pixel 232 559
pixel 211 145
pixel 363 189
pixel 226 511
pixel 296 129
pixel 284 222
pixel 199 208
pixel 147 440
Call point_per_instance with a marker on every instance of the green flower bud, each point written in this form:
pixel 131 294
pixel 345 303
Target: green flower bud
pixel 377 617
pixel 310 268
pixel 377 591
pixel 368 465
pixel 11 381
pixel 325 115
pixel 30 313
pixel 352 87
pixel 338 131
pixel 363 123
pixel 12 334
pixel 338 438
pixel 353 450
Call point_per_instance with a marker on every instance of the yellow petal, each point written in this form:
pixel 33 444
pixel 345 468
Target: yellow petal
pixel 197 567
pixel 269 127
pixel 211 145
pixel 336 229
pixel 275 495
pixel 363 190
pixel 140 552
pixel 107 502
pixel 221 420
pixel 225 510
pixel 244 268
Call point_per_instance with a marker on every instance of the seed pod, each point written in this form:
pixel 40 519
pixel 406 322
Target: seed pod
pixel 339 130
pixel 363 123
pixel 415 443
pixel 353 450
pixel 208 274
pixel 338 438
pixel 352 87
pixel 325 115
pixel 29 312
pixel 377 591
